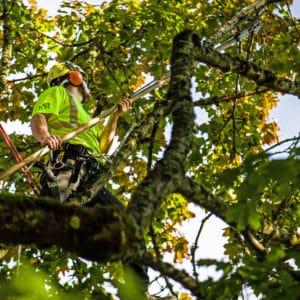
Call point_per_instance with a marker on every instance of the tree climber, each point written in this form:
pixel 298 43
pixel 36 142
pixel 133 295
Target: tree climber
pixel 58 111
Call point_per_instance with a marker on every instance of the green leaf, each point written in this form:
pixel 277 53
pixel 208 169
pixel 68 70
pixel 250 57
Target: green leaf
pixel 243 215
pixel 276 254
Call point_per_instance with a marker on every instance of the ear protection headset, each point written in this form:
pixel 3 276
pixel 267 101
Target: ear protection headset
pixel 68 73
pixel 75 77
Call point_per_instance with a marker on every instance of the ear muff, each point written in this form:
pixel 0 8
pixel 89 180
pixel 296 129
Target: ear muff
pixel 75 77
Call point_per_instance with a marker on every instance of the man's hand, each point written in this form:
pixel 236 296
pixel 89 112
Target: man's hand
pixel 53 142
pixel 123 105
pixel 40 131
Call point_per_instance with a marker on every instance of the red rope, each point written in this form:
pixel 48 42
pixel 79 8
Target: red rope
pixel 31 180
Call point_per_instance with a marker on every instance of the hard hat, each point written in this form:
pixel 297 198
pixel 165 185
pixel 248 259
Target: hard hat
pixel 62 69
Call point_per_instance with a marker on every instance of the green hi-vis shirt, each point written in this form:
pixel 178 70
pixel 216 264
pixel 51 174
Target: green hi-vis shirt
pixel 67 114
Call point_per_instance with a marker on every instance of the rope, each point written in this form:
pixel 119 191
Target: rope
pixel 30 178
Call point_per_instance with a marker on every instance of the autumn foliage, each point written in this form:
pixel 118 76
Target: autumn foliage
pixel 204 141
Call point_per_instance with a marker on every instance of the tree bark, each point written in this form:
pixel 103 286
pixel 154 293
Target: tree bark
pixel 106 233
pixel 262 77
pixel 7 43
pixel 170 170
pixel 98 233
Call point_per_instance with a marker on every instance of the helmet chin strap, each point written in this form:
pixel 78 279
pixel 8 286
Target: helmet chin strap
pixel 86 93
pixel 64 82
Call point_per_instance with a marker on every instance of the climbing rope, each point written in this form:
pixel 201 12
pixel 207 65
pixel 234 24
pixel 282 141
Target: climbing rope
pixel 30 178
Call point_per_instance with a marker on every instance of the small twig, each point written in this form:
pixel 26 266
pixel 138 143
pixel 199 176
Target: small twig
pixel 151 146
pixel 195 245
pixel 234 96
pixel 295 141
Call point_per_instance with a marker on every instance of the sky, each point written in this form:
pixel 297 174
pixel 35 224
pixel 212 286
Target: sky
pixel 211 240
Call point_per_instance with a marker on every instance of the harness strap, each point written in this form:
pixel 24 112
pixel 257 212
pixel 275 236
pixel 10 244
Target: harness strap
pixel 66 170
pixel 77 149
pixel 78 166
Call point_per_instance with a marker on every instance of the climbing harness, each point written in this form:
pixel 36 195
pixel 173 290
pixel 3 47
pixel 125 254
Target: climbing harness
pixel 66 170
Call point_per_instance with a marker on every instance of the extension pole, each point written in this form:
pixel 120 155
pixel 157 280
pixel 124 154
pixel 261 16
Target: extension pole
pixel 43 151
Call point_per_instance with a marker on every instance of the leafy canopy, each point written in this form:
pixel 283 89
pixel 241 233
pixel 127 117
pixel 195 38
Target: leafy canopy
pixel 227 169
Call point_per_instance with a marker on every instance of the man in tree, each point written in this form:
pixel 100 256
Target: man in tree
pixel 58 111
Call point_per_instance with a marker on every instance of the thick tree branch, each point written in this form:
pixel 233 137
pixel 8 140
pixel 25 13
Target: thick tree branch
pixel 197 194
pixel 262 77
pixel 99 233
pixel 168 172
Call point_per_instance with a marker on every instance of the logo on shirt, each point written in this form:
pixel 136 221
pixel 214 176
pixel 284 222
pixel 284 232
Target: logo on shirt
pixel 44 106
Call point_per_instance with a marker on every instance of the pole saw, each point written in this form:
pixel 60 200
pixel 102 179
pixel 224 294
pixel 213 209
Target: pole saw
pixel 140 93
pixel 43 151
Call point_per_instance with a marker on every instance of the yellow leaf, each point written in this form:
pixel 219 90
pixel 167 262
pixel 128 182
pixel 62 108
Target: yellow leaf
pixel 33 3
pixel 181 249
pixel 226 232
pixel 3 252
pixel 185 296
pixel 295 240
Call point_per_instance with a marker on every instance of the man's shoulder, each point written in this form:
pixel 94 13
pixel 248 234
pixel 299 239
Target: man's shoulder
pixel 58 91
pixel 51 101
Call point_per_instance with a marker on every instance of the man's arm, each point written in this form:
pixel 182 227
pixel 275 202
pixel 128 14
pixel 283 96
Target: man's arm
pixel 39 128
pixel 109 132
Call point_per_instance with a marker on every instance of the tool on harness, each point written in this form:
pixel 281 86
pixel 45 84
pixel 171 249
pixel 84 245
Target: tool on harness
pixel 76 149
pixel 77 153
pixel 66 170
